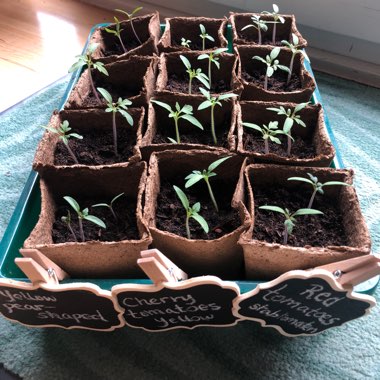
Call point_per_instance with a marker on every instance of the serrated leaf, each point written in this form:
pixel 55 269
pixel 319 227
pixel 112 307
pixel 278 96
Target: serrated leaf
pixel 216 163
pixel 300 122
pixel 127 116
pixel 182 197
pixel 100 67
pixel 162 104
pixel 192 120
pixel 77 65
pixel 72 202
pixel 275 140
pixel 95 220
pixel 201 221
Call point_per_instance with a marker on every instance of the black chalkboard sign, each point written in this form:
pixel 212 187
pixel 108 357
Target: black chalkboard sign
pixel 302 303
pixel 83 306
pixel 200 301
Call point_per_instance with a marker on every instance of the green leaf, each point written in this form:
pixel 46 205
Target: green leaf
pixel 284 68
pixel 204 105
pixel 300 122
pixel 203 78
pixel 287 44
pixel 300 107
pixel 270 71
pixel 288 124
pixel 273 208
pixel 51 129
pixel 110 31
pixel 202 28
pixel 289 225
pixel 201 221
pixel 187 109
pixel 185 61
pixel 192 120
pixel 172 140
pixel 162 104
pixel 95 220
pixel 217 64
pixel 117 197
pixel 101 205
pixel 253 126
pixel 275 52
pixel 275 8
pixel 75 135
pixel 259 59
pixel 275 140
pixel 301 179
pixel 196 207
pixel 295 39
pixel 205 93
pixel 216 163
pixel 248 26
pixel 219 51
pixel 100 67
pixel 106 95
pixel 209 37
pixel 77 65
pixel 182 197
pixel 335 183
pixel 137 9
pixel 226 96
pixel 73 203
pixel 307 211
pixel 203 56
pixel 193 179
pixel 127 116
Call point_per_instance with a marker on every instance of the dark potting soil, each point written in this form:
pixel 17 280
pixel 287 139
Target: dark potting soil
pixel 97 148
pixel 254 142
pixel 180 84
pixel 115 47
pixel 309 230
pixel 197 137
pixel 171 216
pixel 266 40
pixel 125 228
pixel 277 82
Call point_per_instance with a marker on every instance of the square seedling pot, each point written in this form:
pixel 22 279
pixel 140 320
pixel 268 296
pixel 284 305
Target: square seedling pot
pixel 160 127
pixel 220 256
pixel 252 72
pixel 93 258
pixel 314 145
pixel 95 125
pixel 249 36
pixel 268 184
pixel 133 78
pixel 147 28
pixel 188 28
pixel 173 79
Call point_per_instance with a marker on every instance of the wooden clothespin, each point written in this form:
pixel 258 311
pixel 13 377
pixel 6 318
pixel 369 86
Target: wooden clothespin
pixel 354 271
pixel 159 268
pixel 38 268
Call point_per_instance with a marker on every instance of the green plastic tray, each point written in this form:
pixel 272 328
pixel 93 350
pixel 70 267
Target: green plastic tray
pixel 28 208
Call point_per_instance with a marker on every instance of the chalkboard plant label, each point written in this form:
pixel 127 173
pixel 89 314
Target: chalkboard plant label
pixel 188 29
pixel 112 252
pixel 69 306
pixel 252 73
pixel 215 252
pixel 302 303
pixel 339 234
pixel 147 28
pixel 200 301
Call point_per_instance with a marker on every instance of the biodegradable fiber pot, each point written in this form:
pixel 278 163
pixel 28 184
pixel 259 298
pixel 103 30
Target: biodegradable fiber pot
pixel 269 184
pixel 173 79
pixel 94 258
pixel 249 36
pixel 133 78
pixel 311 145
pixel 96 147
pixel 220 256
pixel 252 72
pixel 160 127
pixel 147 28
pixel 188 28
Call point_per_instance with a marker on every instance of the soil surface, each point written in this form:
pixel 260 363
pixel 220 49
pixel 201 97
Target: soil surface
pixel 180 84
pixel 171 216
pixel 254 142
pixel 267 40
pixel 125 228
pixel 197 137
pixel 115 47
pixel 97 149
pixel 195 45
pixel 277 82
pixel 309 230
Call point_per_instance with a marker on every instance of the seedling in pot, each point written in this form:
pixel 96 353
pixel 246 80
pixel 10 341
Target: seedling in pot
pixel 110 205
pixel 191 212
pixel 204 36
pixel 259 25
pixel 212 58
pixel 276 19
pixel 186 112
pixel 86 60
pixel 212 101
pixel 130 19
pixel 120 106
pixel 317 186
pixel 117 32
pixel 83 215
pixel 197 176
pixel 67 221
pixel 290 219
pixel 294 47
pixel 272 64
pixel 197 74
pixel 269 131
pixel 291 117
pixel 63 132
pixel 185 42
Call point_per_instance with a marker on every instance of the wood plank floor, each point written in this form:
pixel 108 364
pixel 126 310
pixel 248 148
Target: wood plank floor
pixel 38 42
